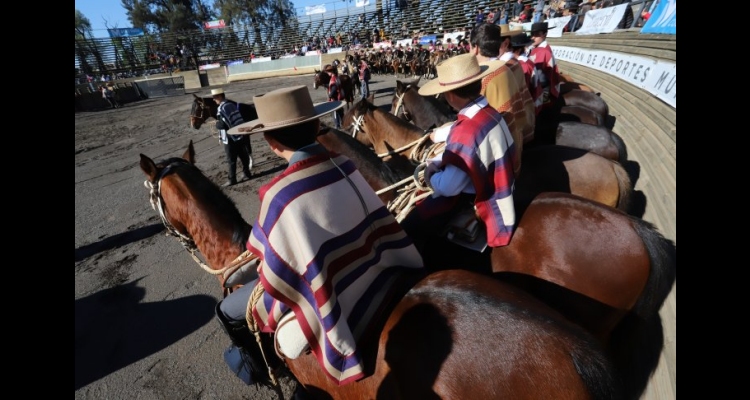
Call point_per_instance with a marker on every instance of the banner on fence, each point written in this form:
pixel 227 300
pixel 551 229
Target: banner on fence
pixel 663 19
pixel 319 9
pixel 556 26
pixel 404 42
pixel 384 45
pixel 657 77
pixel 604 20
pixel 219 23
pixel 235 62
pixel 333 50
pixel 425 40
pixel 264 59
pixel 125 32
pixel 312 53
pixel 453 36
pixel 209 66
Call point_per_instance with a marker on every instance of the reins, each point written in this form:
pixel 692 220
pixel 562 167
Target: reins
pixel 157 203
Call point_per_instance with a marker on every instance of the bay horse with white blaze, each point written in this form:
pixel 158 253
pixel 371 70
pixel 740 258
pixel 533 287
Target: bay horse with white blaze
pixel 454 334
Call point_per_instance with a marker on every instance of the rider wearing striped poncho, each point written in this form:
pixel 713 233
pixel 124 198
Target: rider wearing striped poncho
pixel 329 248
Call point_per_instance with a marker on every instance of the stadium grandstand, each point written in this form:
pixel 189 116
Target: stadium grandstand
pixel 398 19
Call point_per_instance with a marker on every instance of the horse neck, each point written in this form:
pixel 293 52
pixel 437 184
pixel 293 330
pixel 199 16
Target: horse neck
pixel 212 230
pixel 391 132
pixel 424 109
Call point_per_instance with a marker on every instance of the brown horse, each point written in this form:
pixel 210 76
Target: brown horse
pixel 586 99
pixel 426 112
pixel 544 169
pixel 378 174
pixel 204 108
pixel 392 138
pixel 322 78
pixel 432 341
pixel 594 138
pixel 580 114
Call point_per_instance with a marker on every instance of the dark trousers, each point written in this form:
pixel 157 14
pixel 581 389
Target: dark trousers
pixel 238 149
pixel 431 215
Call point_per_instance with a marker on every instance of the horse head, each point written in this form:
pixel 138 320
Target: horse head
pixel 196 211
pixel 200 111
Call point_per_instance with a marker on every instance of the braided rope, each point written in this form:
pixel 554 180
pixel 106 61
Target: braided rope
pixel 255 329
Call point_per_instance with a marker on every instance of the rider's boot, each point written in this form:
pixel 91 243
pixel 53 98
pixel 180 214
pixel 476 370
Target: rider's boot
pixel 240 356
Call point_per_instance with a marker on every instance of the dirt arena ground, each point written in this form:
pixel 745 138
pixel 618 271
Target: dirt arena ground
pixel 144 310
pixel 144 313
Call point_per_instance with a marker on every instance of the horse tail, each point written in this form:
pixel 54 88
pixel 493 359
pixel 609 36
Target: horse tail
pixel 622 150
pixel 598 373
pixel 637 342
pixel 662 254
pixel 625 185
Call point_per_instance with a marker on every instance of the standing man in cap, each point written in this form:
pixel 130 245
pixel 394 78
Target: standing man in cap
pixel 546 69
pixel 325 242
pixel 235 146
pixel 476 169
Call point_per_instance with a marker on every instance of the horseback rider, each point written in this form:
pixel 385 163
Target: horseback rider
pixel 328 247
pixel 476 168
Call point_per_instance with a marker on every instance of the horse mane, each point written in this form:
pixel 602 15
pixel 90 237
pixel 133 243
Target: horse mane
pixel 429 106
pixel 366 106
pixel 369 156
pixel 207 193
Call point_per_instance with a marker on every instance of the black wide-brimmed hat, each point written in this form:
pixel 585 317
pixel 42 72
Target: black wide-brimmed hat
pixel 521 40
pixel 539 26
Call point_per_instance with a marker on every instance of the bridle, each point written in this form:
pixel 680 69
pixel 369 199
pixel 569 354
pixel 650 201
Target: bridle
pixel 157 203
pixel 201 110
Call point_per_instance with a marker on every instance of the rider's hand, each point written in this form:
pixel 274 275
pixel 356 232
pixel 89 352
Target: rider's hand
pixel 429 171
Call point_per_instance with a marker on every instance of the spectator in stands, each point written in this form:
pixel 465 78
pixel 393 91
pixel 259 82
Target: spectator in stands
pixel 571 9
pixel 538 16
pixel 627 19
pixel 517 9
pixel 235 146
pixel 546 68
pixel 479 17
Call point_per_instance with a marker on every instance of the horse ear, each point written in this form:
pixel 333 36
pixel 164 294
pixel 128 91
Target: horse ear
pixel 189 155
pixel 399 86
pixel 148 167
pixel 196 96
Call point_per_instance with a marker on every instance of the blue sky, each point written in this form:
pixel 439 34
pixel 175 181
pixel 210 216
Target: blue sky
pixel 97 11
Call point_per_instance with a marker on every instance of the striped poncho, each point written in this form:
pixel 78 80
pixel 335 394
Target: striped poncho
pixel 328 253
pixel 480 144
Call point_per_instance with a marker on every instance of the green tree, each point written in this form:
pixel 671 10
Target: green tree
pixel 86 48
pixel 266 19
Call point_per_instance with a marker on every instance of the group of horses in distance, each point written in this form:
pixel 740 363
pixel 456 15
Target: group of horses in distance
pixel 573 306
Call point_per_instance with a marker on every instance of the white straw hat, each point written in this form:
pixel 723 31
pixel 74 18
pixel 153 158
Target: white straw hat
pixel 456 72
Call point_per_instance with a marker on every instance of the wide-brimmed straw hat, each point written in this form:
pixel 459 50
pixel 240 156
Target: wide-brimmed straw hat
pixel 506 31
pixel 456 72
pixel 214 92
pixel 284 107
